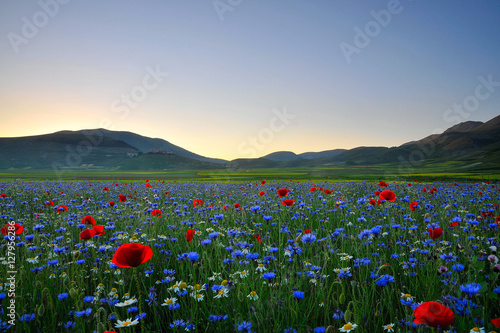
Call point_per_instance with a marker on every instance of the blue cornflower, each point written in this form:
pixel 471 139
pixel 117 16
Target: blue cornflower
pixel 269 275
pixel 178 323
pixel 308 238
pixel 217 317
pixel 471 289
pixel 88 299
pixel 298 294
pixel 62 296
pixel 384 280
pixel 69 324
pixel 448 257
pixel 214 234
pixel 496 290
pixel 27 317
pixel 237 254
pixel 206 242
pixel 244 326
pixel 320 329
pixel 252 256
pixel 290 330
pixel 458 267
pixel 338 314
pixel 53 262
pixel 193 256
pixel 132 309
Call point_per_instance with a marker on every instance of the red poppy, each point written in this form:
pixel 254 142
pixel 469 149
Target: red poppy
pixel 307 231
pixel 224 207
pixel 434 190
pixel 312 189
pixel 435 233
pixel 197 202
pixel 372 202
pixel 288 202
pixel 328 192
pixel 111 203
pixel 132 255
pixel 88 220
pixel 87 234
pixel 388 195
pixel 376 193
pixel 263 182
pixel 3 195
pixel 453 224
pixel 237 206
pixel 424 190
pixel 122 197
pixel 283 192
pixel 189 235
pixel 98 229
pixel 166 192
pixel 433 314
pixel 105 188
pixel 9 227
pixel 156 212
pixel 49 203
pixel 148 185
pixel 382 184
pixel 495 322
pixel 413 205
pixel 258 238
pixel 262 193
pixel 62 208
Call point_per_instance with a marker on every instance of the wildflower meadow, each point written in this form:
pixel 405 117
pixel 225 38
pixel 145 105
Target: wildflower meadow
pixel 260 256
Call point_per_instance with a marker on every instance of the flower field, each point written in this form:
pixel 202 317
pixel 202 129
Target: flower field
pixel 275 256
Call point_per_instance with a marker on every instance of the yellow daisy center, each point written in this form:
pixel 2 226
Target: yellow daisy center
pixel 126 323
pixel 253 293
pixel 197 287
pixel 224 283
pixel 169 301
pixel 183 285
pixel 475 329
pixel 348 327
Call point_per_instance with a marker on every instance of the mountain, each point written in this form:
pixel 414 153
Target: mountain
pixel 145 144
pixel 98 149
pixel 282 156
pixel 466 145
pixel 321 154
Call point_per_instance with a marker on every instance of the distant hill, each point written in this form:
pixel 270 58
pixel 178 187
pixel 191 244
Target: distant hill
pixel 98 149
pixel 144 144
pixel 468 144
pixel 321 154
pixel 282 156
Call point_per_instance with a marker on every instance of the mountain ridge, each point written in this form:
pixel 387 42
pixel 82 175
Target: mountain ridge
pixel 121 150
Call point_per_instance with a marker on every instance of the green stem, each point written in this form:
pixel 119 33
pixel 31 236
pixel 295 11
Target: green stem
pixel 140 298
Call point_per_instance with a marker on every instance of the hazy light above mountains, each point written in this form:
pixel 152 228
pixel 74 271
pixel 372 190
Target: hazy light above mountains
pixel 233 79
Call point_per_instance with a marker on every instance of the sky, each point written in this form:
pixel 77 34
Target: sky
pixel 244 78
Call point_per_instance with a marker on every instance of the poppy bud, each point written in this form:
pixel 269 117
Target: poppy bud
pixel 342 300
pixel 73 293
pixel 41 310
pixel 348 315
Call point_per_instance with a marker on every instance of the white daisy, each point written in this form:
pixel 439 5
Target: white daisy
pixel 126 323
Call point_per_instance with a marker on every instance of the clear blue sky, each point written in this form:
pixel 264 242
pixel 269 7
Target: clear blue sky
pixel 233 65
